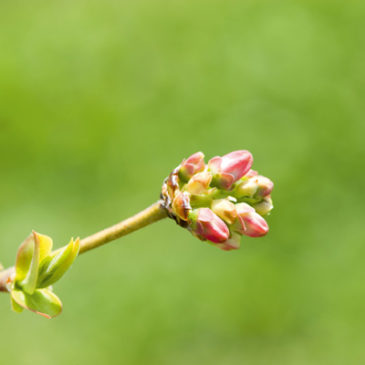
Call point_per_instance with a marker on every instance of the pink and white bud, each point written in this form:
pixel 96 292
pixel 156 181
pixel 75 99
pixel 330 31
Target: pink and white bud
pixel 265 206
pixel 181 205
pixel 192 165
pixel 256 186
pixel 233 243
pixel 249 222
pixel 225 210
pixel 251 173
pixel 246 188
pixel 199 183
pixel 228 169
pixel 265 185
pixel 208 226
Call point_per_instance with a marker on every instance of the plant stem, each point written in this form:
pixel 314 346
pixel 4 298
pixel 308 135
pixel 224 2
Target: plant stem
pixel 142 219
pixel 150 215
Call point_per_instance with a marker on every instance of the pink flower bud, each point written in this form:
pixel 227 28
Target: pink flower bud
pixel 233 243
pixel 181 205
pixel 225 210
pixel 249 222
pixel 206 225
pixel 192 165
pixel 265 185
pixel 257 186
pixel 230 168
pixel 251 173
pixel 199 183
pixel 246 188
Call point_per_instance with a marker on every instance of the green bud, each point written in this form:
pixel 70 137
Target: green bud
pixel 36 268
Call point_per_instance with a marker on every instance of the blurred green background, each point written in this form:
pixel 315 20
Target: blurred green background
pixel 99 100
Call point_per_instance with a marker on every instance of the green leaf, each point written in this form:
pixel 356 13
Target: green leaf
pixel 42 302
pixel 15 306
pixel 24 258
pixel 45 245
pixel 30 282
pixel 30 254
pixel 55 265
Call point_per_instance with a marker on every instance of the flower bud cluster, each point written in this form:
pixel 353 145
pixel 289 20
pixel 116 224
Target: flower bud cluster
pixel 219 201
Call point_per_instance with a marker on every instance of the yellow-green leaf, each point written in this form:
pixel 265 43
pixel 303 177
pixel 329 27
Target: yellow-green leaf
pixel 55 266
pixel 24 258
pixel 45 245
pixel 30 282
pixel 42 302
pixel 15 306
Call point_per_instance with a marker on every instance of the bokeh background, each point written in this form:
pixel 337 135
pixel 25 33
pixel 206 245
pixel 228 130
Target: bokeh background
pixel 99 100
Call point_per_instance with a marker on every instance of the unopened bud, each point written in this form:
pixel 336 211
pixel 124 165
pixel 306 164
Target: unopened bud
pixel 249 222
pixel 265 206
pixel 192 165
pixel 181 205
pixel 225 210
pixel 219 201
pixel 199 183
pixel 208 226
pixel 251 173
pixel 256 187
pixel 233 243
pixel 246 188
pixel 228 169
pixel 265 185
